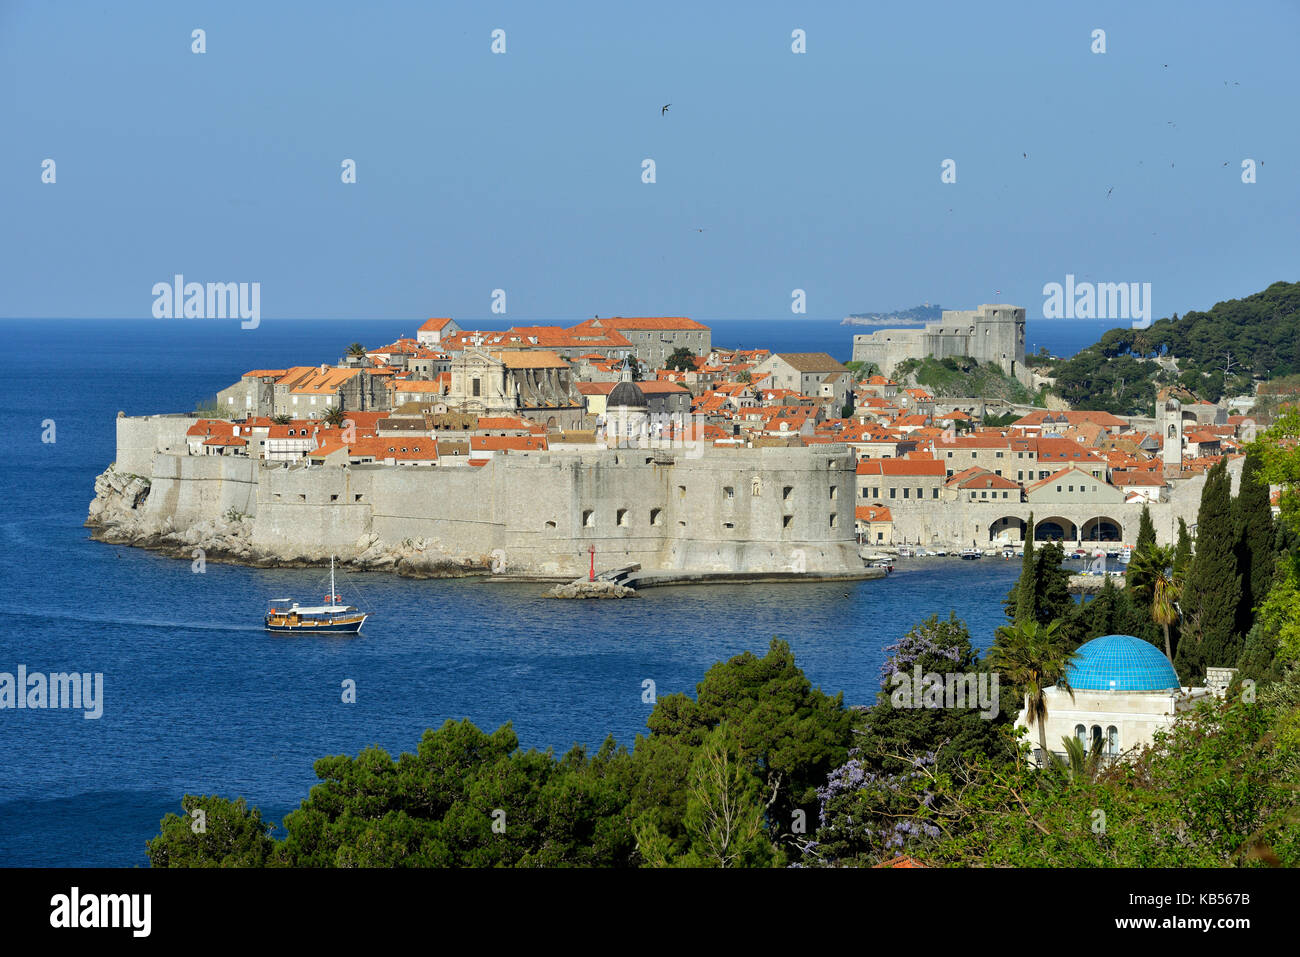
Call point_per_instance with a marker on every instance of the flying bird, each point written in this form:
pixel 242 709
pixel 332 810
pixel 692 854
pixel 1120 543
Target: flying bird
pixel 1025 155
pixel 1109 191
pixel 665 109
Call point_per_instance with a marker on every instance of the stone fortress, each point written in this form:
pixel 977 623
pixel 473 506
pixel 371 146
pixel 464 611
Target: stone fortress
pixel 991 333
pixel 681 513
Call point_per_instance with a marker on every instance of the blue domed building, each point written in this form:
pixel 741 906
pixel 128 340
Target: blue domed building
pixel 1125 690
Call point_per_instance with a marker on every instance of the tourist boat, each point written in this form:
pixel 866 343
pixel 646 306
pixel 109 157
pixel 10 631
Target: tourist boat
pixel 970 554
pixel 331 618
pixel 904 551
pixel 1007 554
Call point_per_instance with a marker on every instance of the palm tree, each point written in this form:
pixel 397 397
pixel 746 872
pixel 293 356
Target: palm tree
pixel 281 419
pixel 1154 581
pixel 356 350
pixel 1081 764
pixel 1033 657
pixel 335 415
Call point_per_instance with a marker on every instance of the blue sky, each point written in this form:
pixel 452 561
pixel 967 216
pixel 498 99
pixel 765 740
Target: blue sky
pixel 522 171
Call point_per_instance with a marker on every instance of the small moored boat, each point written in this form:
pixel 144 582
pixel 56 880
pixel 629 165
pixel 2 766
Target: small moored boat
pixel 288 617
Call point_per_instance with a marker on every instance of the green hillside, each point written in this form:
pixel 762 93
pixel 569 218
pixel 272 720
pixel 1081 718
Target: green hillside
pixel 1219 352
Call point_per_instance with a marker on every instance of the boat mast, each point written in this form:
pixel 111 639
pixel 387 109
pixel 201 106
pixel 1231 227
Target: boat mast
pixel 333 596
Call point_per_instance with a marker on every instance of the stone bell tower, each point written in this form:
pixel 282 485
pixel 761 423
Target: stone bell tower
pixel 1169 415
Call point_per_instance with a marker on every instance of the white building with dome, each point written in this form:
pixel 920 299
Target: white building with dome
pixel 1124 690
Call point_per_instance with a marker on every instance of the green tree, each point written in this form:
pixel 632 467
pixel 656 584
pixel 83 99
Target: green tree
pixel 724 819
pixel 1026 608
pixel 1033 658
pixel 1146 529
pixel 790 734
pixel 936 647
pixel 1213 588
pixel 1255 556
pixel 214 832
pixel 356 350
pixel 1048 583
pixel 1161 587
pixel 1183 550
pixel 681 360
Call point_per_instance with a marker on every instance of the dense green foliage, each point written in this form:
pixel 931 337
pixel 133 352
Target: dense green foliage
pixel 1261 334
pixel 1043 596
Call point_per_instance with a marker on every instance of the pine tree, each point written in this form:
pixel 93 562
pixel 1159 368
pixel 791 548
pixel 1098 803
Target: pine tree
pixel 1026 607
pixel 1213 589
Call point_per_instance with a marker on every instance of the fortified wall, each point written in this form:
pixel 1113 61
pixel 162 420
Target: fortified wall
pixel 992 524
pixel 697 511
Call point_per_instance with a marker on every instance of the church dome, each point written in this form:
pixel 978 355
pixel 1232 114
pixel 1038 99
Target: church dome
pixel 626 395
pixel 1120 663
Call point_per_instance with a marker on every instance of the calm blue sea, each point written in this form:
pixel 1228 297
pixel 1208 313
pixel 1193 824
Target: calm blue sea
pixel 199 699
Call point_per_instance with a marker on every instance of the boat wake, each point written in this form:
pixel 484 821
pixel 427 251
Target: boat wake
pixel 27 612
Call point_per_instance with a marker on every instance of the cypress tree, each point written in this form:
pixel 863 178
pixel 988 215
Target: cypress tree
pixel 1026 605
pixel 1146 530
pixel 1140 590
pixel 1255 554
pixel 1213 590
pixel 1183 550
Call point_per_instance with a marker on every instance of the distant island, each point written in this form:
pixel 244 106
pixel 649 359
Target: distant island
pixel 917 315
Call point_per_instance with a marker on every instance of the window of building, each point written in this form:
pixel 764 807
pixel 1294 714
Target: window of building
pixel 892 492
pixel 786 520
pixel 935 493
pixel 835 491
pixel 588 517
pixel 656 516
pixel 475 386
pixel 728 492
pixel 1112 740
pixel 728 524
pixel 907 492
pixel 621 517
pixel 785 492
pixel 334 498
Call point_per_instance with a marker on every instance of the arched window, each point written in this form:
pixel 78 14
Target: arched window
pixel 1081 733
pixel 1112 740
pixel 1096 735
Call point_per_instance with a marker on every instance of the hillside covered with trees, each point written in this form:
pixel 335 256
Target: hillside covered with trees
pixel 1219 352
